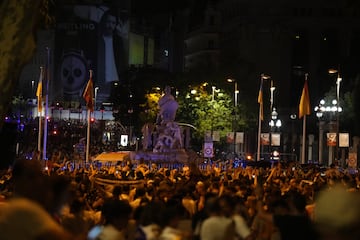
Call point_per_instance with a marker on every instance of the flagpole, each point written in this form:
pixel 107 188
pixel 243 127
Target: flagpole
pixel 88 95
pixel 260 118
pixel 259 135
pixel 304 109
pixel 40 131
pixel 261 112
pixel 39 98
pixel 303 140
pixel 88 136
pixel 46 103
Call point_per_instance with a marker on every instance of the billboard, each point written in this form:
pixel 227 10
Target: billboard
pixel 90 37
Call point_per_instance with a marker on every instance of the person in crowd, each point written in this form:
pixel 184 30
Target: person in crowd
pixel 148 221
pixel 24 216
pixel 231 206
pixel 216 226
pixel 76 222
pixel 172 216
pixel 115 214
pixel 295 223
pixel 337 214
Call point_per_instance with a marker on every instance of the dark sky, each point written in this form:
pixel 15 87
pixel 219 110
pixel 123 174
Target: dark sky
pixel 148 7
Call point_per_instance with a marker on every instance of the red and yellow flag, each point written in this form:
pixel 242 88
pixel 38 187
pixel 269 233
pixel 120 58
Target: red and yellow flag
pixel 39 91
pixel 260 101
pixel 304 106
pixel 88 94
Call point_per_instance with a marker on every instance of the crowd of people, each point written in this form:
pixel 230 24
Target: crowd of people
pixel 285 201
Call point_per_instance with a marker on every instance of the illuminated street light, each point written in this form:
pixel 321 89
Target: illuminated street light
pixel 338 82
pixel 96 90
pixel 274 122
pixel 236 91
pixel 321 110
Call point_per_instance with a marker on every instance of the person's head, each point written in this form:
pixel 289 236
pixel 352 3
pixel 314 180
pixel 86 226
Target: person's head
pixel 213 206
pixel 296 201
pixel 59 192
pixel 227 204
pixel 116 213
pixel 108 23
pixel 29 180
pixel 167 90
pixel 337 213
pixel 172 213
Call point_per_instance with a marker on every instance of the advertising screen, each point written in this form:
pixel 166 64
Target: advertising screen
pixel 90 37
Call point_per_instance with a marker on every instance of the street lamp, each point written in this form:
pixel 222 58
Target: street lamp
pixel 272 89
pixel 321 110
pixel 236 92
pixel 319 114
pixel 274 123
pixel 338 82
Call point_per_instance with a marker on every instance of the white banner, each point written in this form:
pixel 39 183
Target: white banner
pixel 275 139
pixel 208 150
pixel 216 136
pixel 239 138
pixel 343 139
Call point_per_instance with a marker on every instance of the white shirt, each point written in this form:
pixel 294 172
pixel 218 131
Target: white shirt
pixel 241 227
pixel 169 233
pixel 217 228
pixel 111 73
pixel 107 232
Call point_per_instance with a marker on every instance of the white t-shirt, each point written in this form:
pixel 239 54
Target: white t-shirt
pixel 109 232
pixel 111 73
pixel 169 233
pixel 241 227
pixel 217 228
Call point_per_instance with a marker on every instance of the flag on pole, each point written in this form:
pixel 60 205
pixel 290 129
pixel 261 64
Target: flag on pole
pixel 88 94
pixel 304 106
pixel 39 90
pixel 260 101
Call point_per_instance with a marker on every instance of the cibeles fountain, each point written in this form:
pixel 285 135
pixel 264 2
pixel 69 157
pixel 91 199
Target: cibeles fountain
pixel 165 140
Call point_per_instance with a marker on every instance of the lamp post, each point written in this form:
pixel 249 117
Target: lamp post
pixel 236 92
pixel 274 123
pixel 321 110
pixel 319 114
pixel 95 97
pixel 338 82
pixel 272 90
pixel 260 101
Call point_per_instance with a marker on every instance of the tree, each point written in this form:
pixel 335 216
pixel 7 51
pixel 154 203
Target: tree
pixel 207 110
pixel 348 115
pixel 19 20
